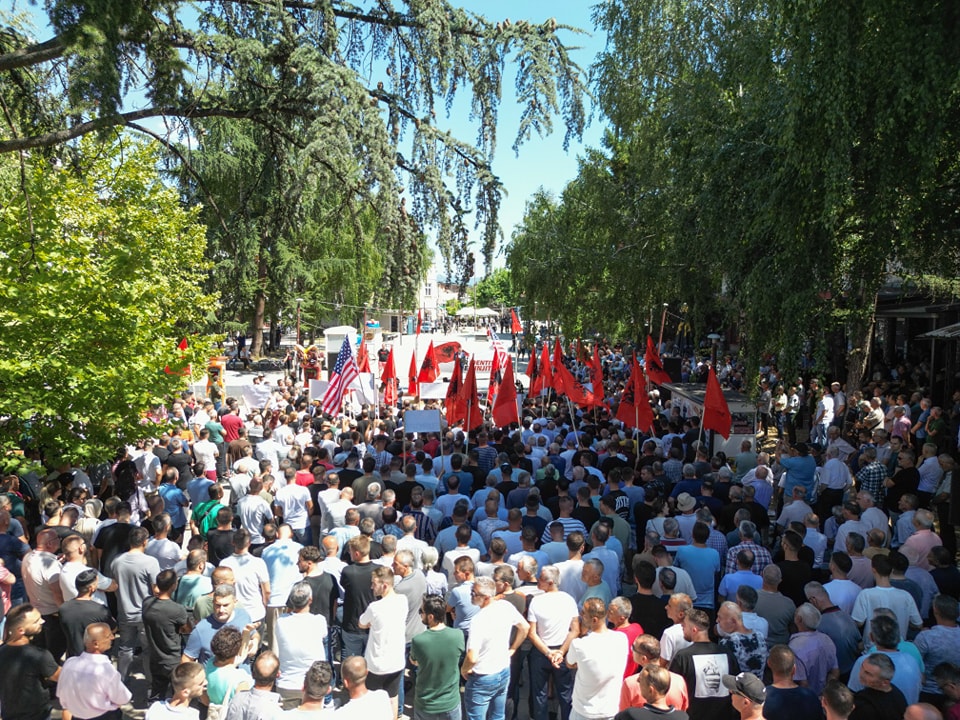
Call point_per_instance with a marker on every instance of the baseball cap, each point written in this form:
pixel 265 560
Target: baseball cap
pixel 748 685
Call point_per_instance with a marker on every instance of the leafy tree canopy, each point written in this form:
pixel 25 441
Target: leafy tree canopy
pixel 102 273
pixel 356 89
pixel 778 160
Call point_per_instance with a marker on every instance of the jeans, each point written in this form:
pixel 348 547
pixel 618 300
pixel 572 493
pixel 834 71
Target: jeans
pixel 516 673
pixel 352 644
pixel 540 671
pixel 453 714
pixel 132 636
pixel 302 535
pixel 485 696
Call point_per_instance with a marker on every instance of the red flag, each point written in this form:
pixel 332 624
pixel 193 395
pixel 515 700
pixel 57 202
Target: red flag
pixel 495 378
pixel 429 370
pixel 716 414
pixel 389 368
pixel 546 374
pixel 634 410
pixel 363 357
pixel 557 379
pixel 505 406
pixel 182 345
pixel 389 379
pixel 596 377
pixel 472 416
pixel 419 321
pixel 515 326
pixel 571 387
pixel 533 372
pixel 655 370
pixel 452 404
pixel 447 352
pixel 413 387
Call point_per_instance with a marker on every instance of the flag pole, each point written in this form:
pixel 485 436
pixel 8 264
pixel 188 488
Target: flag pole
pixel 663 320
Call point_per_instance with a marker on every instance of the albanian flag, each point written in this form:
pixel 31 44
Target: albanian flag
pixel 429 370
pixel 363 357
pixel 495 377
pixel 472 416
pixel 533 372
pixel 655 370
pixel 716 413
pixel 505 406
pixel 447 352
pixel 634 410
pixel 596 377
pixel 452 405
pixel 390 380
pixel 413 387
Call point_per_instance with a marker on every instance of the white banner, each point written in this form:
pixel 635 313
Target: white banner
pixel 433 391
pixel 421 421
pixel 365 389
pixel 256 396
pixel 318 389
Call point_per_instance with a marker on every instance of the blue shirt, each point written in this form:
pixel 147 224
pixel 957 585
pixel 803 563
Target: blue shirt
pixel 197 490
pixel 801 470
pixel 447 540
pixel 703 564
pixel 732 581
pixel 198 644
pixel 463 608
pixel 174 501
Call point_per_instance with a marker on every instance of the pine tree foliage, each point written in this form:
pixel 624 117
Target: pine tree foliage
pixel 359 90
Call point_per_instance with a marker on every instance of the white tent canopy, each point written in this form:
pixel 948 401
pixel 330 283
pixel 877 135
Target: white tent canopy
pixel 483 312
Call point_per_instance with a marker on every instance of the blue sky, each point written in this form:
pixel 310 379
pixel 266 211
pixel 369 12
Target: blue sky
pixel 542 162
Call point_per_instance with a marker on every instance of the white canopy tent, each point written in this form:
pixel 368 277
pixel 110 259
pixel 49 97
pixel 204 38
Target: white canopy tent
pixel 475 312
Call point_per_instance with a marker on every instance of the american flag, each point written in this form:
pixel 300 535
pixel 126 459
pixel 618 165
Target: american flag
pixel 344 372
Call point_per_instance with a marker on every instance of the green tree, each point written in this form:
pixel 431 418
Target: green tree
pixel 779 160
pixel 495 290
pixel 102 270
pixel 356 88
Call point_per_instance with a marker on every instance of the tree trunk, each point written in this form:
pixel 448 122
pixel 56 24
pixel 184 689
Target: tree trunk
pixel 259 310
pixel 860 337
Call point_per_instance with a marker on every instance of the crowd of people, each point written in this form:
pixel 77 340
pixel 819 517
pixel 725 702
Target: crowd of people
pixel 250 564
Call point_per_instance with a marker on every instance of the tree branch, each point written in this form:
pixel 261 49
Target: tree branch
pixel 33 54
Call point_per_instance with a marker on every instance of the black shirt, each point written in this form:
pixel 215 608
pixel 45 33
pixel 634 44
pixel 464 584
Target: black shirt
pixel 219 545
pixel 24 670
pixel 702 665
pixel 112 541
pixel 587 515
pixel 75 615
pixel 648 712
pixel 357 594
pixel 326 592
pixel 651 614
pixel 184 465
pixel 870 704
pixel 162 620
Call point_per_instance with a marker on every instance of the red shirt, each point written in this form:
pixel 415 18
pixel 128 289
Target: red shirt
pixel 632 631
pixel 231 425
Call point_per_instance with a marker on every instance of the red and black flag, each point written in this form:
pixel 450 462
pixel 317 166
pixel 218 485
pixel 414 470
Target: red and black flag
pixel 429 370
pixel 655 370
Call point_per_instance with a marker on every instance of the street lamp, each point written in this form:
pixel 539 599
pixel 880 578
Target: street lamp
pixel 299 300
pixel 714 339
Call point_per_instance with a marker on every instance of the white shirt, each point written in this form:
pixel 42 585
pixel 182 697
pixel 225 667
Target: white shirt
pixel 293 500
pixel 167 552
pixel 254 512
pixel 571 581
pixel 600 659
pixel 843 593
pixel 299 644
pixel 900 601
pixel 671 641
pixel 374 705
pixel 835 474
pixel 41 570
pixel 206 452
pixel 90 686
pixel 490 637
pixel 249 572
pixel 68 581
pixel 552 612
pixel 386 645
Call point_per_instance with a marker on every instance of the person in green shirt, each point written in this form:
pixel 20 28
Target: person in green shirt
pixel 437 653
pixel 203 517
